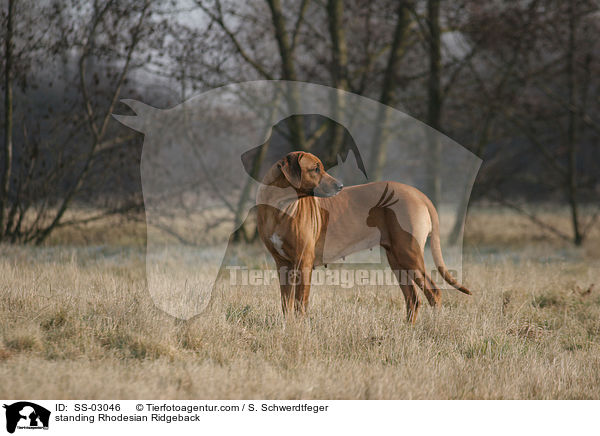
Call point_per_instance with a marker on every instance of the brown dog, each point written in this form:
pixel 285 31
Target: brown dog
pixel 305 219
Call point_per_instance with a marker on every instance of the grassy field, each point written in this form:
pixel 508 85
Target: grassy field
pixel 76 322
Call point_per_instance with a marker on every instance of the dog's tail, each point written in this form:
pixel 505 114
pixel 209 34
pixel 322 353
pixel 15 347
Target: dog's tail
pixel 436 249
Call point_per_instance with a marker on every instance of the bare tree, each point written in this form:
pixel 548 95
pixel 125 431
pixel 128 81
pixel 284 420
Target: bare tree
pixel 388 87
pixel 339 66
pixel 8 113
pixel 434 101
pixel 61 155
pixel 551 114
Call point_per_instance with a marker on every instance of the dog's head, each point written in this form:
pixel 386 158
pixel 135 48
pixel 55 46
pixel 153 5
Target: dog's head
pixel 306 174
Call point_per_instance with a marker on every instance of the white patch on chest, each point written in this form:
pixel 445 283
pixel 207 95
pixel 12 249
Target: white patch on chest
pixel 278 244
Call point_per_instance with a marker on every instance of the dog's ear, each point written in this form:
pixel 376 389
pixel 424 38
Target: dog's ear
pixel 290 167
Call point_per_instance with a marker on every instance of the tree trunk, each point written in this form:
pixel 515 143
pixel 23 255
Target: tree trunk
pixel 457 228
pixel 387 91
pixel 338 69
pixel 571 131
pixel 434 103
pixel 8 117
pixel 238 225
pixel 288 72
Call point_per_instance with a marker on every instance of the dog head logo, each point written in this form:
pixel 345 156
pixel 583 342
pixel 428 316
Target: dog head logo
pixel 204 159
pixel 319 132
pixel 26 415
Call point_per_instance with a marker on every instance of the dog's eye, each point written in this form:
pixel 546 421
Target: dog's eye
pixel 317 170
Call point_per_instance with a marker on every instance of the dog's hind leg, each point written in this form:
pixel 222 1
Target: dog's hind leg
pixel 408 287
pixel 432 293
pixel 412 301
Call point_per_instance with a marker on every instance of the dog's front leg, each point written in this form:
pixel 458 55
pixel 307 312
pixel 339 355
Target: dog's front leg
pixel 294 279
pixel 302 290
pixel 285 272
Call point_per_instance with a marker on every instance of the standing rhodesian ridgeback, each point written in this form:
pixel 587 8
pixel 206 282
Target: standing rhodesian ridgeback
pixel 306 219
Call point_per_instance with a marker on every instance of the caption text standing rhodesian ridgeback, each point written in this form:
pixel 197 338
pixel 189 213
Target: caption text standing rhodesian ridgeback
pixel 306 219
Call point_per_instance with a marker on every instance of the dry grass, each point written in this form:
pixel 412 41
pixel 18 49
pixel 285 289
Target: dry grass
pixel 78 323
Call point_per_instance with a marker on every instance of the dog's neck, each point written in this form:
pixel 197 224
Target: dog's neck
pixel 277 192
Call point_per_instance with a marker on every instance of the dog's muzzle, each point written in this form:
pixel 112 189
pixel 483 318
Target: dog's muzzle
pixel 328 190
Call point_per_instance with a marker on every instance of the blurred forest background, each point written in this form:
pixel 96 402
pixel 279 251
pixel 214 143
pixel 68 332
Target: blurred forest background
pixel 516 82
